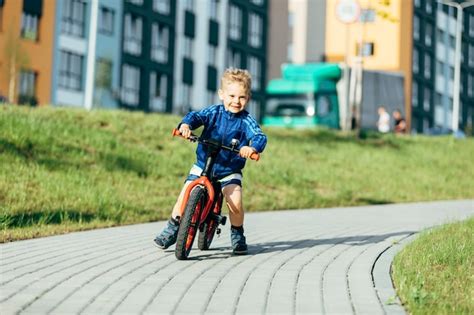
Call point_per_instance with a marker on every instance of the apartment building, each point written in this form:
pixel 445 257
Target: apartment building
pixel 443 36
pixel 147 55
pixel 147 59
pixel 247 26
pixel 26 47
pixel 200 53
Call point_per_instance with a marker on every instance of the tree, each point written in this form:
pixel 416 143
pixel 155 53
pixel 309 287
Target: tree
pixel 16 58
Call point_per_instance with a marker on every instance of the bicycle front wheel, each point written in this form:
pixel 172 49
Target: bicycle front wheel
pixel 190 222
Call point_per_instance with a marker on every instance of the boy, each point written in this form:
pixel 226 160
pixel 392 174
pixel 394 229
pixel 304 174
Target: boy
pixel 224 122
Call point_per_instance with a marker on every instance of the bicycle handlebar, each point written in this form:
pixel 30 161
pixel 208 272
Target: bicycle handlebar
pixel 193 138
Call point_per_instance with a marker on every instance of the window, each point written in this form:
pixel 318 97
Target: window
pixel 214 9
pixel 417 3
pixel 471 25
pixel 427 70
pixel 257 2
pixel 162 6
pixel 471 55
pixel 452 41
pixel 70 70
pixel 106 21
pixel 185 97
pixel 211 55
pixel 233 58
pixel 1 15
pixel 132 36
pixel 416 27
pixel 255 70
pixel 323 106
pixel 235 23
pixel 188 47
pixel 135 2
pixel 438 98
pixel 439 68
pixel 29 26
pixel 255 30
pixel 470 85
pixel 429 6
pixel 414 94
pixel 367 49
pixel 415 61
pixel 427 99
pixel 158 91
pixel 211 97
pixel 73 17
pixel 426 124
pixel 130 93
pixel 27 83
pixel 428 35
pixel 367 15
pixel 159 42
pixel 188 5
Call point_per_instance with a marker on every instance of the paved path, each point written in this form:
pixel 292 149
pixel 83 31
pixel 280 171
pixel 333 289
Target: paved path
pixel 327 261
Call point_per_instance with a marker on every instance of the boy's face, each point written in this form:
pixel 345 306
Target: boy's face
pixel 234 97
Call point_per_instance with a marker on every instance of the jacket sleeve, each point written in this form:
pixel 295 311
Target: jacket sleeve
pixel 199 118
pixel 258 139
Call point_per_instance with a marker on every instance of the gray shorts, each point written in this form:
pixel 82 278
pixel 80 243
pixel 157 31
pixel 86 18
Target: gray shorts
pixel 235 178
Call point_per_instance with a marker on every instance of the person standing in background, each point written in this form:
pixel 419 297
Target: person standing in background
pixel 400 123
pixel 383 124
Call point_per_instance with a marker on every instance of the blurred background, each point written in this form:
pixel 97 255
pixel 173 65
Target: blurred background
pixel 313 62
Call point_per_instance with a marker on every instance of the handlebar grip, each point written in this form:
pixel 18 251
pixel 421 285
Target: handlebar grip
pixel 255 156
pixel 176 133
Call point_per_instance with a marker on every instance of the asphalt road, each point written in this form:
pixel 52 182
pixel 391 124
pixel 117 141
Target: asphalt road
pixel 325 261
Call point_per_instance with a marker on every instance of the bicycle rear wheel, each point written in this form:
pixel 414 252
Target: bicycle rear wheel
pixel 206 235
pixel 190 222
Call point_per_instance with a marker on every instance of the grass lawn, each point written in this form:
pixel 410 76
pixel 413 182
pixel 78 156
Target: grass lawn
pixel 435 273
pixel 63 169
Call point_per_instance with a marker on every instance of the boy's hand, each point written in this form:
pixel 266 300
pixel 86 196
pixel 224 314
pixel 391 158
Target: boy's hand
pixel 185 131
pixel 246 151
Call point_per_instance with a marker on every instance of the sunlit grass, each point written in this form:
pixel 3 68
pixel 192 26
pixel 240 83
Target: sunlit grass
pixel 76 169
pixel 435 273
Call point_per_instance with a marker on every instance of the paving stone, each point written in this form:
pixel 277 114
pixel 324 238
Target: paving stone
pixel 335 261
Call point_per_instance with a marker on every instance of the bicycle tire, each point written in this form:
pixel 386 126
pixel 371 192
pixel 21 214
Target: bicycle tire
pixel 206 235
pixel 189 223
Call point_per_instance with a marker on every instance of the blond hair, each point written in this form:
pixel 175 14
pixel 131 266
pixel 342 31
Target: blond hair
pixel 232 75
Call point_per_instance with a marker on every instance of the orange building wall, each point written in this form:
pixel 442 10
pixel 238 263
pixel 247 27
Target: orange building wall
pixel 39 53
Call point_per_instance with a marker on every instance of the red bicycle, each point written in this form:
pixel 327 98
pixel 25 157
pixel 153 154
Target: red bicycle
pixel 202 201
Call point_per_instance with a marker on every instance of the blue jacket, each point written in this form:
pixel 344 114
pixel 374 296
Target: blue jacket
pixel 223 126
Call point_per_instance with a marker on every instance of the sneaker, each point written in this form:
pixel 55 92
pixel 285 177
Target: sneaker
pixel 239 246
pixel 168 236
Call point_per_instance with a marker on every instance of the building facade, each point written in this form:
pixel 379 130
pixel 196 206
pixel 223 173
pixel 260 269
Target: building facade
pixel 247 25
pixel 443 34
pixel 26 47
pixel 380 37
pixel 76 58
pixel 147 55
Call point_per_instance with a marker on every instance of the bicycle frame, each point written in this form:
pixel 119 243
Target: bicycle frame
pixel 199 216
pixel 204 181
